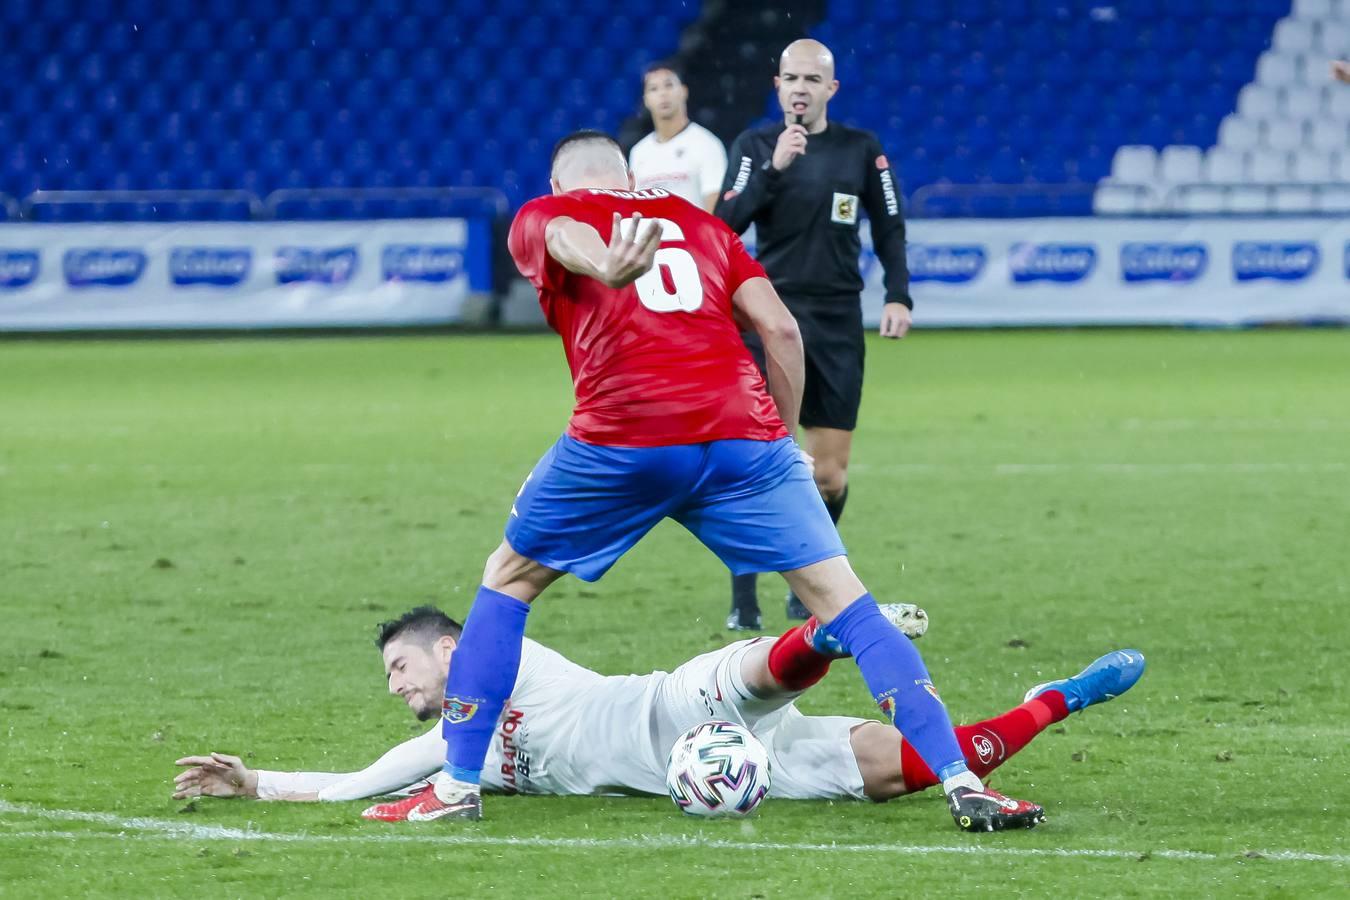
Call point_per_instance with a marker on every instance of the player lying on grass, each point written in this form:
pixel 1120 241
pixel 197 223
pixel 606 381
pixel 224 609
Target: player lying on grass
pixel 568 730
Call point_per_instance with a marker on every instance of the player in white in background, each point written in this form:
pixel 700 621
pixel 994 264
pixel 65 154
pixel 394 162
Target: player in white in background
pixel 681 156
pixel 568 730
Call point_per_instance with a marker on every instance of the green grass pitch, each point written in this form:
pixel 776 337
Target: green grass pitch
pixel 196 538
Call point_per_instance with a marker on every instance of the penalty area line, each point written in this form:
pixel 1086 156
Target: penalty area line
pixel 167 829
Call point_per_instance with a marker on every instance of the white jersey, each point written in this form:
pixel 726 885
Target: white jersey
pixel 690 165
pixel 569 730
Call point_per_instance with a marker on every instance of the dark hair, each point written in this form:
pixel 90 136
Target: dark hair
pixel 424 621
pixel 662 65
pixel 578 137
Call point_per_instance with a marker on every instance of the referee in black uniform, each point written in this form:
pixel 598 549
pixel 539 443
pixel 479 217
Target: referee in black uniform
pixel 802 183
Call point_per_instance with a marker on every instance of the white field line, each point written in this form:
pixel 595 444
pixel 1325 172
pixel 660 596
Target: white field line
pixel 142 827
pixel 1104 468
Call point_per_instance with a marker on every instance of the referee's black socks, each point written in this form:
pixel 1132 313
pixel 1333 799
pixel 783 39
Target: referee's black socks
pixel 744 601
pixel 836 506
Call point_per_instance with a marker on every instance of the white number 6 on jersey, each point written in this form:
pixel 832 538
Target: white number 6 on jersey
pixel 673 284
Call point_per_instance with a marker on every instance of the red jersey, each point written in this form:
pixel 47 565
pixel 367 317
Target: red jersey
pixel 661 361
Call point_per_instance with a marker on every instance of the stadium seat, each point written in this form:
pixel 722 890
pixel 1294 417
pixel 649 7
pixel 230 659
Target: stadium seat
pixel 1334 199
pixel 1311 166
pixel 1334 38
pixel 1301 103
pixel 1276 69
pixel 1282 134
pixel 1293 35
pixel 1293 198
pixel 1135 164
pixel 1338 107
pixel 1257 101
pixel 1314 9
pixel 1329 135
pixel 1180 163
pixel 1224 165
pixel 1239 132
pixel 1314 69
pixel 1199 199
pixel 1267 166
pixel 1248 199
pixel 1119 199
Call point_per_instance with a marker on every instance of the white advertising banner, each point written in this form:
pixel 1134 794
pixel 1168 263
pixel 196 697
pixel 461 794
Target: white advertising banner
pixel 1099 271
pixel 239 274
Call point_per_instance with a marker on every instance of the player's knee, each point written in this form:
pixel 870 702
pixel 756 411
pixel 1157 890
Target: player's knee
pixel 831 479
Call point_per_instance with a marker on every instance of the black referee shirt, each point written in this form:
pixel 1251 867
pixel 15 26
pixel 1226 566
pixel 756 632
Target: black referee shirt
pixel 806 217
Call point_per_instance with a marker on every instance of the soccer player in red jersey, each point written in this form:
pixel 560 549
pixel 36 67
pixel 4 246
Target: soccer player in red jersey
pixel 672 420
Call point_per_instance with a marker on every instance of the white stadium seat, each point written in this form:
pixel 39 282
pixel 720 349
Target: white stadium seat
pixel 1283 134
pixel 1224 165
pixel 1136 163
pixel 1339 108
pixel 1117 199
pixel 1275 69
pixel 1334 199
pixel 1328 136
pixel 1199 198
pixel 1313 9
pixel 1256 101
pixel 1293 35
pixel 1294 199
pixel 1249 199
pixel 1301 102
pixel 1180 163
pixel 1267 166
pixel 1311 166
pixel 1334 39
pixel 1238 132
pixel 1314 69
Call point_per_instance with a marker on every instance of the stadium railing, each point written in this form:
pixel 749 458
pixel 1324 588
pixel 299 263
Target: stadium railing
pixel 1260 198
pixel 1211 198
pixel 141 206
pixel 475 204
pixel 1006 200
pixel 388 203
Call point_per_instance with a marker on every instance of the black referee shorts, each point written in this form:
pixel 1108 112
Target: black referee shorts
pixel 832 335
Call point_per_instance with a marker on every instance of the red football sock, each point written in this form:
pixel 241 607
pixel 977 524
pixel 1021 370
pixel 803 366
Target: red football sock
pixel 794 663
pixel 988 744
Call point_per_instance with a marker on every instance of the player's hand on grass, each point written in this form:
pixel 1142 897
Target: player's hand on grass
pixel 217 775
pixel 895 320
pixel 791 144
pixel 631 252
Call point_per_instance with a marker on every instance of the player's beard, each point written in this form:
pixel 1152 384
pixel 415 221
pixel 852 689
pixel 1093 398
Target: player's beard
pixel 426 710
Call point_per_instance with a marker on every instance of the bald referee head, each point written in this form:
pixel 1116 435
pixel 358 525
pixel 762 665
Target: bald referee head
pixel 805 83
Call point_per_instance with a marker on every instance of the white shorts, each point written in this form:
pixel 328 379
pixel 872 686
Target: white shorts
pixel 811 756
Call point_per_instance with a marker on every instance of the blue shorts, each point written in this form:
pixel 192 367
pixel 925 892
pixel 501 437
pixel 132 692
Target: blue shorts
pixel 753 503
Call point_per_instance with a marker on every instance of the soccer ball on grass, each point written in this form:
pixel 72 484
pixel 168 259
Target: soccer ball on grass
pixel 718 769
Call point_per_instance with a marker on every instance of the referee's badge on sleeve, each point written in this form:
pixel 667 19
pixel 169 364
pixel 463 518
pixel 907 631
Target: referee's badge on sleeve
pixel 844 209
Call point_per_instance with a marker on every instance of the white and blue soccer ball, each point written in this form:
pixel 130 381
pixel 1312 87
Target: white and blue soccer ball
pixel 718 769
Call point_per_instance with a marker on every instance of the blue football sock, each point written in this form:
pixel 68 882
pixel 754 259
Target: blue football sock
pixel 898 680
pixel 482 675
